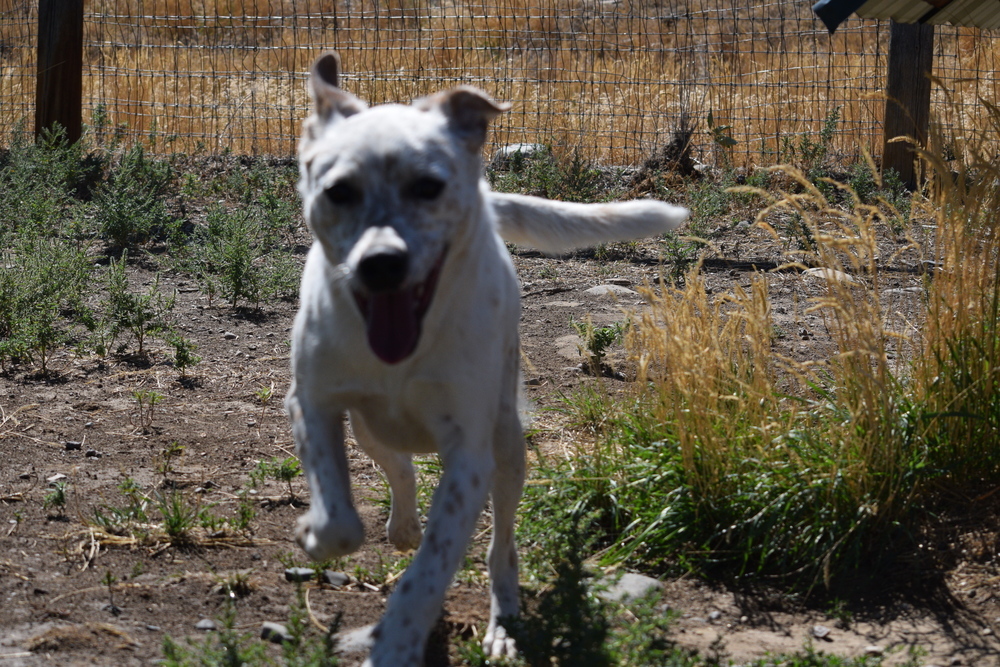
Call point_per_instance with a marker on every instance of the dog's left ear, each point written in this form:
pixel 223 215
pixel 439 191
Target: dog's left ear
pixel 468 110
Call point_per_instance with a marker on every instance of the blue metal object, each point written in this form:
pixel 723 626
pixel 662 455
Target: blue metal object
pixel 835 12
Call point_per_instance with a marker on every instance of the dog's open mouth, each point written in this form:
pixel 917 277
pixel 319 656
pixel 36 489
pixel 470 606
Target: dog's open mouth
pixel 393 318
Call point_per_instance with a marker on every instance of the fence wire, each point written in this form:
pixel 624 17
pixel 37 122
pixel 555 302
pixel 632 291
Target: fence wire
pixel 613 80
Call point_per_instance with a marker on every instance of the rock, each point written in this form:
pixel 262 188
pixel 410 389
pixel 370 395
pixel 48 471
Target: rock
pixel 820 632
pixel 73 445
pixel 874 650
pixel 621 282
pixel 229 335
pixel 610 290
pixel 504 155
pixel 299 574
pixel 714 616
pixel 335 578
pixel 832 276
pixel 153 628
pixel 93 454
pixel 206 624
pixel 274 632
pixel 904 291
pixel 629 586
pixel 58 477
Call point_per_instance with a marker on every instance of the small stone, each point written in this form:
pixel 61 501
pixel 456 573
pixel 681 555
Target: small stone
pixel 505 155
pixel 744 619
pixel 89 425
pixel 58 477
pixel 820 631
pixel 874 650
pixel 335 578
pixel 274 632
pixel 73 445
pixel 831 276
pixel 153 628
pixel 714 616
pixel 629 586
pixel 610 290
pixel 93 454
pixel 986 631
pixel 621 282
pixel 299 574
pixel 206 624
pixel 229 335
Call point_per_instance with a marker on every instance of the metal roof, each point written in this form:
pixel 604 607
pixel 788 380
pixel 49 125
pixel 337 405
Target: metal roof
pixel 978 13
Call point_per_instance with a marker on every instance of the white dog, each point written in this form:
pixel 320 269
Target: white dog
pixel 408 323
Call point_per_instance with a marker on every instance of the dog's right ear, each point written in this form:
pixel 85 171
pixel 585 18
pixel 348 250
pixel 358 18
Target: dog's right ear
pixel 329 100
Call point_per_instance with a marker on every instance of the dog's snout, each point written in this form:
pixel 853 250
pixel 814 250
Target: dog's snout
pixel 383 269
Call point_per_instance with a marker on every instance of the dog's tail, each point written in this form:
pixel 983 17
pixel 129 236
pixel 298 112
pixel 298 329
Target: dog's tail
pixel 557 226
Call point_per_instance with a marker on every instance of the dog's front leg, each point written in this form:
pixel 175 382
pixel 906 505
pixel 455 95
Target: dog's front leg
pixel 415 605
pixel 331 527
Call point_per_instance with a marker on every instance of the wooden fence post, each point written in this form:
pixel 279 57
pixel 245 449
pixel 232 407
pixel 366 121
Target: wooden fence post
pixel 908 91
pixel 59 83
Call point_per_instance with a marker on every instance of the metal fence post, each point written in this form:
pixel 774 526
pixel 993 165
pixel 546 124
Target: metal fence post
pixel 59 85
pixel 908 91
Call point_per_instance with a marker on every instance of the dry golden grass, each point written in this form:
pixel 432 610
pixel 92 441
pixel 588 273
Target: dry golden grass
pixel 609 79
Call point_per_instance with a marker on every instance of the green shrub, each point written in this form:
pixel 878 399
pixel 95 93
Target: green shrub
pixel 239 255
pixel 140 313
pixel 130 205
pixel 42 283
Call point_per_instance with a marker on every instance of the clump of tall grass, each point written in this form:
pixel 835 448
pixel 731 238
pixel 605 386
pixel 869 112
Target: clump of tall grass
pixel 957 373
pixel 733 460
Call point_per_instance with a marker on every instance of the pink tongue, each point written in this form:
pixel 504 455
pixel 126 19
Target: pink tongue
pixel 393 325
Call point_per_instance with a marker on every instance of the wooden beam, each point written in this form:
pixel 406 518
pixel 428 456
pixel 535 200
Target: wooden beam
pixel 59 83
pixel 908 96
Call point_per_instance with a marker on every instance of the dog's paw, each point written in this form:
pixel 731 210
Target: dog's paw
pixel 405 534
pixel 497 644
pixel 330 539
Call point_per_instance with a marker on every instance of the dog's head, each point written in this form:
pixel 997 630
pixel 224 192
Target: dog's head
pixel 387 190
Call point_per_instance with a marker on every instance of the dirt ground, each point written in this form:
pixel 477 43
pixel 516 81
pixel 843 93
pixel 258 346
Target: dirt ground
pixel 81 425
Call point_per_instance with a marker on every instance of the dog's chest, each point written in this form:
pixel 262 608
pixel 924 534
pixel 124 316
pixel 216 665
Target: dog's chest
pixel 419 419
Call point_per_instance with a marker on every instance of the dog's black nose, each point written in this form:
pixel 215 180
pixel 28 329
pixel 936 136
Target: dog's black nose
pixel 383 270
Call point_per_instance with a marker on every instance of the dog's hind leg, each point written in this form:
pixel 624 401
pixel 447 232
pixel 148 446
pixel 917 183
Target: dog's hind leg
pixel 403 528
pixel 331 527
pixel 508 482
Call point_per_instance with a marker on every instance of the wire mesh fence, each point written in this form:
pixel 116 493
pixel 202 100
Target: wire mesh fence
pixel 610 79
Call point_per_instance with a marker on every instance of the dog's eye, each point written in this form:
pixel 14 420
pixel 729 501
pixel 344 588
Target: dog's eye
pixel 343 194
pixel 426 188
